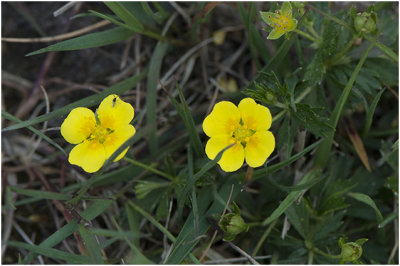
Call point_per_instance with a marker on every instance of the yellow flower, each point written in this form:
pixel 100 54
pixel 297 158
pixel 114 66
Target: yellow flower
pixel 245 125
pixel 281 21
pixel 98 135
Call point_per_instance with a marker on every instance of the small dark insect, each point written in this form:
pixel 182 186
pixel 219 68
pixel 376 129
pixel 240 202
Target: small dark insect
pixel 114 101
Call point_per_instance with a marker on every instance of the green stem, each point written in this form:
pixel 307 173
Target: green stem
pixel 303 94
pixel 281 113
pixel 263 237
pixel 160 227
pixel 379 45
pixel 383 48
pixel 310 257
pixel 308 36
pixel 149 168
pixel 323 151
pixel 338 56
pixel 317 250
pixel 311 29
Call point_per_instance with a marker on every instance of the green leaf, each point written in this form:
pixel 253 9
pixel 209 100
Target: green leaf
pixel 299 218
pixel 52 253
pixel 187 238
pixel 54 239
pixel 256 41
pixel 40 194
pixel 308 118
pixel 118 88
pixel 296 187
pixel 151 95
pixel 276 167
pixel 88 41
pixel 92 247
pixel 190 125
pixel 367 200
pixel 371 111
pixel 204 169
pixel 125 16
pixel 97 208
pixel 290 198
pixel 34 130
pixel 323 152
pixel 315 70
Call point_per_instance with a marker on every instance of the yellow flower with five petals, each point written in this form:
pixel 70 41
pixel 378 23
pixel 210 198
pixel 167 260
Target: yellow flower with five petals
pixel 281 21
pixel 98 135
pixel 246 126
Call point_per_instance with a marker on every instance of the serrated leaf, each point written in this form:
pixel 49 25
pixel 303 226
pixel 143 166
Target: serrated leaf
pixel 308 118
pixel 315 70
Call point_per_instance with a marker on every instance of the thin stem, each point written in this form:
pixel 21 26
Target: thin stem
pixel 263 237
pixel 303 94
pixel 308 36
pixel 149 168
pixel 310 257
pixel 317 250
pixel 281 113
pixel 338 56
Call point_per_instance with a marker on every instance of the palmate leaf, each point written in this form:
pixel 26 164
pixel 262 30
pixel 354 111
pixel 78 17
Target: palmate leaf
pixel 308 118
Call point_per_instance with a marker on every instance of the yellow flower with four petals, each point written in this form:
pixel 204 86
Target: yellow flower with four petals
pixel 99 134
pixel 246 126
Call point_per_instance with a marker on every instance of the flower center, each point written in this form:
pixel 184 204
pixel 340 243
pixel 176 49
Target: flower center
pixel 242 134
pixel 100 134
pixel 281 21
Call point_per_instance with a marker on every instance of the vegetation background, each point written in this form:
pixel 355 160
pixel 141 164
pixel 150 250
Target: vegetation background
pixel 334 102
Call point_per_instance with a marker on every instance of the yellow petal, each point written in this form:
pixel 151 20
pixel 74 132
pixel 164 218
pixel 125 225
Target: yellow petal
pixel 78 125
pixel 232 159
pixel 223 119
pixel 254 116
pixel 116 139
pixel 259 147
pixel 90 155
pixel 113 112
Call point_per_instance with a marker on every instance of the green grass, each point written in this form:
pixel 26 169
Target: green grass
pixel 163 202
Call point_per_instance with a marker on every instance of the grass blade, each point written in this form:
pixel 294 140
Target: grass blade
pixel 290 199
pixel 187 238
pixel 118 88
pixel 97 208
pixel 151 96
pixel 125 16
pixel 276 167
pixel 190 126
pixel 40 194
pixel 52 253
pixel 92 247
pixel 54 239
pixel 367 200
pixel 323 152
pixel 91 40
pixel 371 111
pixel 34 130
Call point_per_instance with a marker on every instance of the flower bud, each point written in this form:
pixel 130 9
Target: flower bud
pixel 351 251
pixel 232 224
pixel 365 22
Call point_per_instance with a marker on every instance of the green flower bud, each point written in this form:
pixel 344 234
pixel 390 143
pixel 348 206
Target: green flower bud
pixel 365 22
pixel 351 251
pixel 232 224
